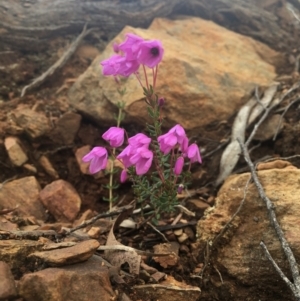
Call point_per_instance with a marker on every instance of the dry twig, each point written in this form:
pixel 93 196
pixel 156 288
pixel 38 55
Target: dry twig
pixel 61 62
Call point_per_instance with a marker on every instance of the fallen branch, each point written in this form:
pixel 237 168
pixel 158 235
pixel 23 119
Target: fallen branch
pixel 60 63
pixel 95 218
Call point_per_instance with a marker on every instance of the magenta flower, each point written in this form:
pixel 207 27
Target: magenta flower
pixel 123 176
pixel 168 141
pixel 184 145
pixel 126 155
pixel 126 68
pixel 178 166
pixel 139 140
pixel 115 136
pixel 142 159
pixel 150 53
pixel 98 159
pixel 193 153
pixel 131 46
pixel 111 65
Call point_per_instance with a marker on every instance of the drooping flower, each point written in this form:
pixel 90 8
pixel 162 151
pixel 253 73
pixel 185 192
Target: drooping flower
pixel 184 145
pixel 168 141
pixel 150 53
pixel 142 159
pixel 193 153
pixel 126 155
pixel 123 176
pixel 131 46
pixel 119 65
pixel 126 68
pixel 115 136
pixel 98 159
pixel 178 166
pixel 139 140
pixel 111 65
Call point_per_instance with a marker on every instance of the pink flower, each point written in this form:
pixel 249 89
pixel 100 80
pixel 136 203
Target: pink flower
pixel 116 47
pixel 126 155
pixel 119 65
pixel 178 166
pixel 176 135
pixel 127 68
pixel 142 159
pixel 115 136
pixel 131 46
pixel 111 65
pixel 150 53
pixel 139 140
pixel 123 176
pixel 194 154
pixel 98 159
pixel 184 145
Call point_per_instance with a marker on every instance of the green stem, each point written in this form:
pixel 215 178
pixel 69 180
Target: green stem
pixel 111 172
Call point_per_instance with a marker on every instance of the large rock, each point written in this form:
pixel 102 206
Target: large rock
pixel 241 255
pixel 23 194
pixel 62 200
pixel 205 72
pixel 87 281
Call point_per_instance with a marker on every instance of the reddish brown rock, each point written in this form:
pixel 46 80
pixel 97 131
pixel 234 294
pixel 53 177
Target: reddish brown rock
pixel 23 194
pixel 62 200
pixel 15 151
pixel 66 128
pixel 70 255
pixel 87 281
pixel 7 282
pixel 35 124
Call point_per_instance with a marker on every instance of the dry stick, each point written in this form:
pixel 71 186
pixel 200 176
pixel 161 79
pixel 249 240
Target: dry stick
pixel 58 64
pixel 285 245
pixel 282 115
pixel 95 218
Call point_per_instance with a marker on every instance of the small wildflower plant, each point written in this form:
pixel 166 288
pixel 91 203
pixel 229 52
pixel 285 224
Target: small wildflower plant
pixel 158 164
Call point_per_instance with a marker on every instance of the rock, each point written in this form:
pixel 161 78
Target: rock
pixel 7 282
pixel 169 289
pixel 70 255
pixel 7 225
pixel 182 238
pixel 15 252
pixel 268 128
pixel 23 194
pixel 240 255
pixel 199 204
pixel 94 232
pixel 48 167
pixel 170 260
pixel 201 84
pixel 87 281
pixel 66 128
pixel 15 152
pixel 275 164
pixel 62 200
pixel 34 124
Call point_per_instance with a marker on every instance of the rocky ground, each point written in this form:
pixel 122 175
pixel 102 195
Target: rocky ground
pixel 46 192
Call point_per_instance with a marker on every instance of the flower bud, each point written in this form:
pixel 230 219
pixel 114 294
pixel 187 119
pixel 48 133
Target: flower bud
pixel 178 166
pixel 180 188
pixel 161 101
pixel 116 47
pixel 124 176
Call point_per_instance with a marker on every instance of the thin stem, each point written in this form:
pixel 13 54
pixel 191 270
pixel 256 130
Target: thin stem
pixel 111 171
pixel 146 78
